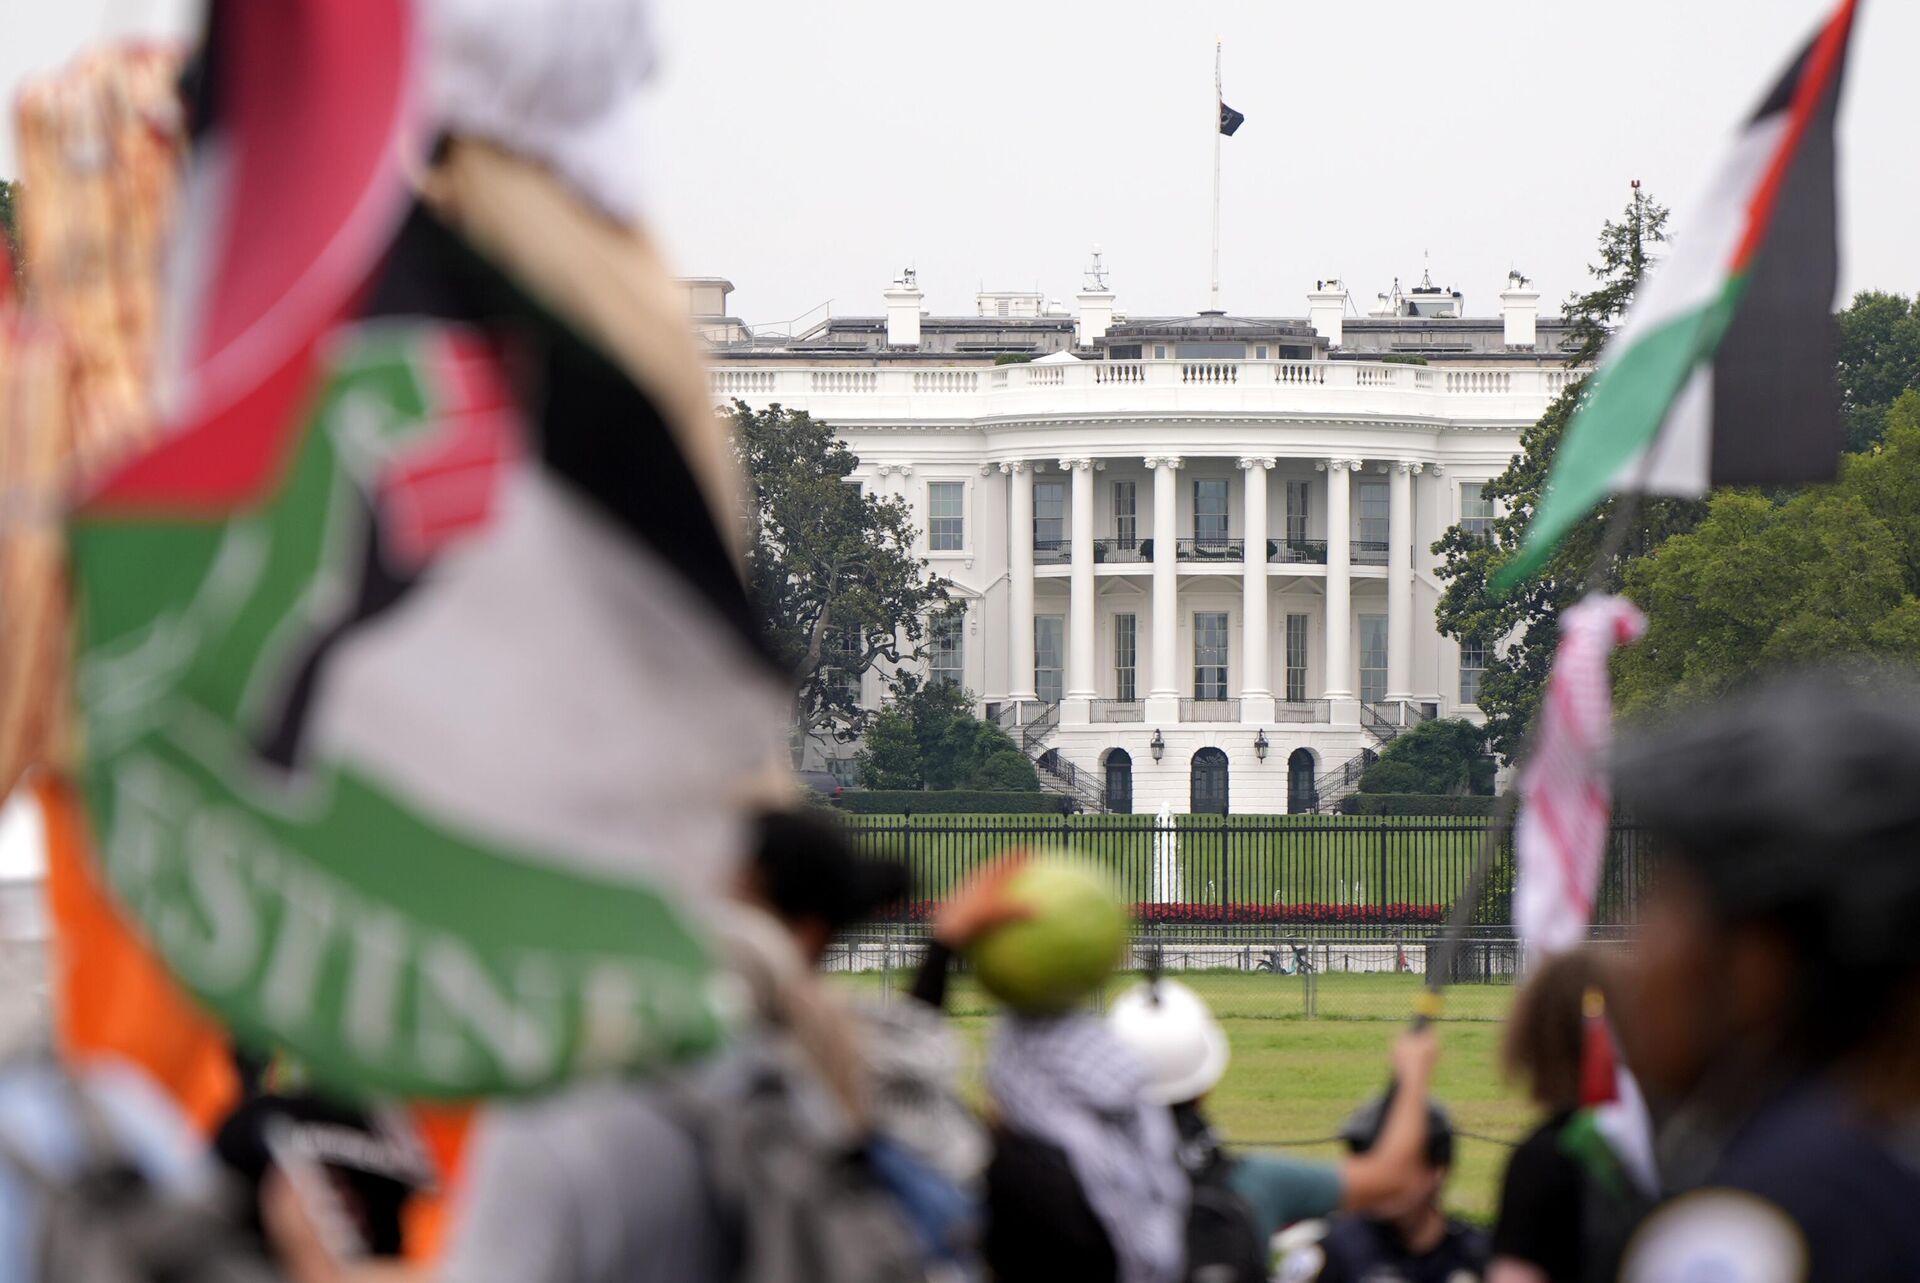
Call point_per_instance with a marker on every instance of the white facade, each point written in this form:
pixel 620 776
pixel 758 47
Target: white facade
pixel 1269 517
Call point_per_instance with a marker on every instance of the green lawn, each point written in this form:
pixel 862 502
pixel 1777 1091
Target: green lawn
pixel 1296 1078
pixel 1241 860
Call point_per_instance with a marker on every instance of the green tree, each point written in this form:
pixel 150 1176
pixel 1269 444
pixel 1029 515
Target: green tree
pixel 1626 251
pixel 1879 358
pixel 930 739
pixel 1446 755
pixel 1831 574
pixel 890 758
pixel 1521 629
pixel 831 569
pixel 10 227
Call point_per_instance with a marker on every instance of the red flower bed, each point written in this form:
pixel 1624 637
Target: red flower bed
pixel 1196 913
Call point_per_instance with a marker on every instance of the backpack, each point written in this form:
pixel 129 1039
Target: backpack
pixel 1223 1235
pixel 802 1202
pixel 105 1221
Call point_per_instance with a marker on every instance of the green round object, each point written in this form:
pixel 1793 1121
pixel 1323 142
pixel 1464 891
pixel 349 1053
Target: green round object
pixel 1051 961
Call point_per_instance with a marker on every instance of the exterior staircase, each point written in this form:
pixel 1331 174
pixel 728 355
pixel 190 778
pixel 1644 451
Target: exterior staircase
pixel 1032 723
pixel 1385 723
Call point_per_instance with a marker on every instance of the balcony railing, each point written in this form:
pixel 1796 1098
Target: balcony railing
pixel 1052 552
pixel 1303 710
pixel 1106 551
pixel 1209 710
pixel 1298 552
pixel 1119 710
pixel 1291 383
pixel 1369 552
pixel 1212 549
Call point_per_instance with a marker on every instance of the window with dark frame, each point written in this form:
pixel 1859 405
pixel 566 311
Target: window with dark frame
pixel 1126 522
pixel 1049 650
pixel 1210 654
pixel 1210 511
pixel 1125 654
pixel 1476 510
pixel 947 648
pixel 1296 659
pixel 946 516
pixel 1473 666
pixel 1049 514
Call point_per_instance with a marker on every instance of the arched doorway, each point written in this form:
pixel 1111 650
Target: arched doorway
pixel 1209 789
pixel 1120 782
pixel 1301 797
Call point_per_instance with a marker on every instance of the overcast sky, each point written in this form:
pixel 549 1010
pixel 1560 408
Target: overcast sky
pixel 808 157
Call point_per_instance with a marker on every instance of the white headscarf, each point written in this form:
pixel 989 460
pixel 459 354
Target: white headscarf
pixel 559 81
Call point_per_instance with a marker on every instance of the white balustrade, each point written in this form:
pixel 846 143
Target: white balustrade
pixel 1495 382
pixel 1300 372
pixel 843 382
pixel 1045 376
pixel 726 382
pixel 1210 372
pixel 1119 371
pixel 946 380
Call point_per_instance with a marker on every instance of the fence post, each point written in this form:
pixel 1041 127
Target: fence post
pixel 1226 881
pixel 1381 836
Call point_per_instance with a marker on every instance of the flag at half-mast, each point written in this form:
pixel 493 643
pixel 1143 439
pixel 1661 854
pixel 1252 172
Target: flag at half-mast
pixel 1722 373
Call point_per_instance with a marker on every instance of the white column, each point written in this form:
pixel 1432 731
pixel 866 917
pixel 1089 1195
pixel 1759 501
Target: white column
pixel 1076 704
pixel 1339 687
pixel 1019 580
pixel 1163 694
pixel 1400 580
pixel 1256 682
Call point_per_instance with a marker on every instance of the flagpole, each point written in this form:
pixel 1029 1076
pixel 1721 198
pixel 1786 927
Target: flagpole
pixel 1214 295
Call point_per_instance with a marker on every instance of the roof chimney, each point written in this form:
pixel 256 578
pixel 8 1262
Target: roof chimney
pixel 1326 309
pixel 903 310
pixel 1096 305
pixel 1519 309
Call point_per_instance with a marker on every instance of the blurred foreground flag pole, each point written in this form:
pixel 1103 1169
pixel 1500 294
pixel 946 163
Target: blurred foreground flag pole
pixel 1730 345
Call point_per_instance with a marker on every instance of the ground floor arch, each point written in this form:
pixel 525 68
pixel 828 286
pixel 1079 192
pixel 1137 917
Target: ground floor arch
pixel 1207 787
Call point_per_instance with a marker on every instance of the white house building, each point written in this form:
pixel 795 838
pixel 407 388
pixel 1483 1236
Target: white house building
pixel 1193 552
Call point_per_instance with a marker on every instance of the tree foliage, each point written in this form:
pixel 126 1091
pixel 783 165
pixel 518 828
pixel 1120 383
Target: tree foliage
pixel 928 738
pixel 1521 629
pixel 1443 756
pixel 1626 251
pixel 831 569
pixel 1879 358
pixel 1831 574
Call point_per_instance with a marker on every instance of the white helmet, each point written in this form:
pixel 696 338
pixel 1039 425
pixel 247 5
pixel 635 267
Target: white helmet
pixel 1175 1036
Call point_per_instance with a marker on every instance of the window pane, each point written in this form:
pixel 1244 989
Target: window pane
pixel 1049 646
pixel 1473 663
pixel 1296 658
pixel 946 515
pixel 1476 510
pixel 1370 503
pixel 1210 509
pixel 1297 510
pixel 1049 514
pixel 1126 526
pixel 1210 655
pixel 1373 658
pixel 947 655
pixel 1124 643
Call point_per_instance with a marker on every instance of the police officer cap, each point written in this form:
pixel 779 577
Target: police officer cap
pixel 1799 797
pixel 1362 1129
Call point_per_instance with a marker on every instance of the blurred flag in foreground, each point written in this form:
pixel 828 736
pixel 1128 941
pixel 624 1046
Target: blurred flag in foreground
pixel 1560 837
pixel 423 703
pixel 1731 342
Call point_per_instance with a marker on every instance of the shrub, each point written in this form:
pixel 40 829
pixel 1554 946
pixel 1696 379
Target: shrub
pixel 1007 771
pixel 949 802
pixel 1012 358
pixel 1446 755
pixel 1415 804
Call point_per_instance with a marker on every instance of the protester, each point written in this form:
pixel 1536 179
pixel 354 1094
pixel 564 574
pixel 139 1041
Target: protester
pixel 1245 1198
pixel 1774 988
pixel 1568 1204
pixel 1411 1240
pixel 1084 1182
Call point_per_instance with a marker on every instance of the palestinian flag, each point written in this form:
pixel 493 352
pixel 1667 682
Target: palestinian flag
pixel 1722 373
pixel 422 697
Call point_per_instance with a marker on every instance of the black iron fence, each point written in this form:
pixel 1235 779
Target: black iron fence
pixel 1225 875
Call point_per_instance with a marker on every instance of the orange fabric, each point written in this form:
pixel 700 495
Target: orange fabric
pixel 443 1130
pixel 112 996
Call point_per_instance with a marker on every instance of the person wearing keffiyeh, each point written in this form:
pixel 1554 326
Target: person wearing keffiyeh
pixel 1085 1181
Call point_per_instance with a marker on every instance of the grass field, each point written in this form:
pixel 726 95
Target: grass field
pixel 1293 1078
pixel 1262 859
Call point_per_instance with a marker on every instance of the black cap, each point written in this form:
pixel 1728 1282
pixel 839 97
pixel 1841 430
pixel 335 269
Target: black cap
pixel 808 869
pixel 1798 800
pixel 1361 1131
